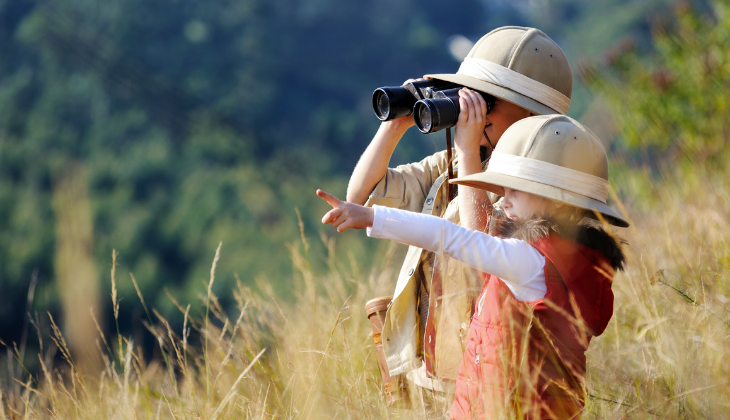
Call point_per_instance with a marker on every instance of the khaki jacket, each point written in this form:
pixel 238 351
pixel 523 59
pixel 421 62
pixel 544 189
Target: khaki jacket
pixel 434 296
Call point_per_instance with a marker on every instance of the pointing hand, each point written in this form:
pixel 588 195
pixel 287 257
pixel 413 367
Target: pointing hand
pixel 346 215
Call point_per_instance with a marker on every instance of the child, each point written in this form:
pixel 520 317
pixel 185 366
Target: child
pixel 548 287
pixel 528 74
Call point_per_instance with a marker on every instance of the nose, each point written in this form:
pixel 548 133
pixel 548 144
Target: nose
pixel 506 203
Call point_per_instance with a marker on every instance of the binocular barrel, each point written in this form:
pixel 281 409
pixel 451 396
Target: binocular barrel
pixel 442 110
pixel 393 102
pixel 434 103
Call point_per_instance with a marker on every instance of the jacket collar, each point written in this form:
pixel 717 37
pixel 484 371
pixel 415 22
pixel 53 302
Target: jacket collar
pixel 587 232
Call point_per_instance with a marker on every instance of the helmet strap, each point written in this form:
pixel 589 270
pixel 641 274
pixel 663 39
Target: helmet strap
pixel 490 149
pixel 449 157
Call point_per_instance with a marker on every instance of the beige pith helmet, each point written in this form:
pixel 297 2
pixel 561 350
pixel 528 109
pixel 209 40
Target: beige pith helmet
pixel 520 65
pixel 552 156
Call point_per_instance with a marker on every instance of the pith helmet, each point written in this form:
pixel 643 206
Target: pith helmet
pixel 520 65
pixel 552 156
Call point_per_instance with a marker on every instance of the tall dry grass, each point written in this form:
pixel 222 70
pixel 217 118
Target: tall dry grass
pixel 664 354
pixel 308 359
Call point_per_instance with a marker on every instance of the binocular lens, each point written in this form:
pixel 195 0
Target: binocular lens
pixel 382 109
pixel 423 117
pixel 432 115
pixel 390 103
pixel 438 107
pixel 442 110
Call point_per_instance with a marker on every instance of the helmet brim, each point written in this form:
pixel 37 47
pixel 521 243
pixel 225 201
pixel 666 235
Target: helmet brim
pixel 496 91
pixel 495 182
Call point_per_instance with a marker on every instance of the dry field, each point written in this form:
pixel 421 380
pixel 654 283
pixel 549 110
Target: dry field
pixel 664 354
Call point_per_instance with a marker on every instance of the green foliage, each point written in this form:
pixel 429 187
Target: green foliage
pixel 195 123
pixel 585 29
pixel 674 99
pixel 200 122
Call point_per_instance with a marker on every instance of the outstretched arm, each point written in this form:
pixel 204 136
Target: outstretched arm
pixel 514 261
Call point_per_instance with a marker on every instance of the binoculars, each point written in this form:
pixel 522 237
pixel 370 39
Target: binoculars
pixel 433 103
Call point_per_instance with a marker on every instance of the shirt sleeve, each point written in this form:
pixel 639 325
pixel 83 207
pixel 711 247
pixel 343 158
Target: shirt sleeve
pixel 514 261
pixel 406 186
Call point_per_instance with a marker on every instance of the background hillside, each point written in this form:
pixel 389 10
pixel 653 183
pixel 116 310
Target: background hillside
pixel 160 128
pixel 136 136
pixel 177 125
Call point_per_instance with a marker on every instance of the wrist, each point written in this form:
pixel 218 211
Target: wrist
pixel 469 162
pixel 468 151
pixel 398 126
pixel 466 140
pixel 372 229
pixel 389 135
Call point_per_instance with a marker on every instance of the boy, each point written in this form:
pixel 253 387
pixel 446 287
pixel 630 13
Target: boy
pixel 427 321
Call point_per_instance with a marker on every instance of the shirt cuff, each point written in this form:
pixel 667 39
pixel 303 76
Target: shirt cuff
pixel 378 218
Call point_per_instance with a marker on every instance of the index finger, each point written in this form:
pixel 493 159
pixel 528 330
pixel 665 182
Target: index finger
pixel 481 103
pixel 331 199
pixel 471 105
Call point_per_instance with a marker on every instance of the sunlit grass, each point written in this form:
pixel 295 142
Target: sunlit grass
pixel 266 359
pixel 665 352
pixel 663 355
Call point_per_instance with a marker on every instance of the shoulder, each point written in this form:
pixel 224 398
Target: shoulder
pixel 565 240
pixel 438 160
pixel 605 243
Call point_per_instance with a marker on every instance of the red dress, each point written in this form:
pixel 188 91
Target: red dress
pixel 529 357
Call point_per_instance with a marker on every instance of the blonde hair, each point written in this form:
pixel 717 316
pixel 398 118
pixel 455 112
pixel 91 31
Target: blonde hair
pixel 564 211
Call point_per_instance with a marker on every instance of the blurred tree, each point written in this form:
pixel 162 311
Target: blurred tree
pixel 196 122
pixel 206 121
pixel 673 102
pixel 75 273
pixel 583 29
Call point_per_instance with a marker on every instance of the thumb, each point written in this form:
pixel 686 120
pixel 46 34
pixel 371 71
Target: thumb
pixel 331 199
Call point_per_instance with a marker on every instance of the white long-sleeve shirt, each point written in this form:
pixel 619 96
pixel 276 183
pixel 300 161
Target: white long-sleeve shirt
pixel 517 263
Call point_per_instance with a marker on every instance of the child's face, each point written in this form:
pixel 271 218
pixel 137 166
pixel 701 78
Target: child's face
pixel 519 204
pixel 500 118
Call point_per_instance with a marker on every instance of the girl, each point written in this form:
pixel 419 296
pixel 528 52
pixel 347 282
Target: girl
pixel 550 267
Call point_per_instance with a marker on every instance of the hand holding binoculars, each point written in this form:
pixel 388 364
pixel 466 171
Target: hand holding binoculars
pixel 433 103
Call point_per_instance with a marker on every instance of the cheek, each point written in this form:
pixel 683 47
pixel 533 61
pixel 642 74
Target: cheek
pixel 507 115
pixel 499 125
pixel 527 206
pixel 539 205
pixel 517 206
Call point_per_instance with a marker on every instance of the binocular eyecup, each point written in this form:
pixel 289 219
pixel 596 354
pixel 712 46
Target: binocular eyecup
pixel 435 114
